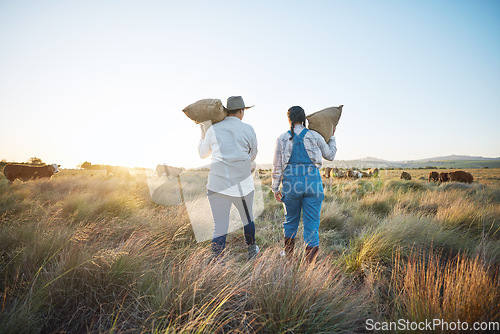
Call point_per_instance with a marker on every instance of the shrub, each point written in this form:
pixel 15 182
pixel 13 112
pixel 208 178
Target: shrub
pixel 367 252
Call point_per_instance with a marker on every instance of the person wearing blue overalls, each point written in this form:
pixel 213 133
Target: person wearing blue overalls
pixel 297 160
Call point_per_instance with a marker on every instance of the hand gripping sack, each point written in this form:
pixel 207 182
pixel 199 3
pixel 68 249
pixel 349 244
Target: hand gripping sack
pixel 324 121
pixel 206 110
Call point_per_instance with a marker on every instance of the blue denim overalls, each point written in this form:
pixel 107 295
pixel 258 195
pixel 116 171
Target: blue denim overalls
pixel 302 189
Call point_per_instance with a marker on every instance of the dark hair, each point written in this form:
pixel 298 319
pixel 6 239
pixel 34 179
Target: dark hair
pixel 296 114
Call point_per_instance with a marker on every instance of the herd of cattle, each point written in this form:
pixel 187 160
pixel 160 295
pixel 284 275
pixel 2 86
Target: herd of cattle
pixel 330 172
pixel 457 176
pixel 27 172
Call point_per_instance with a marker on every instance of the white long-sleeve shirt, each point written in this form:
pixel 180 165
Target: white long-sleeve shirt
pixel 233 145
pixel 314 144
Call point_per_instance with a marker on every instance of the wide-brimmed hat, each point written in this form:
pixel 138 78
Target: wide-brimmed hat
pixel 236 103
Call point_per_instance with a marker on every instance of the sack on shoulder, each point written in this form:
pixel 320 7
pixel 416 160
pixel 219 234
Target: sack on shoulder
pixel 324 121
pixel 206 110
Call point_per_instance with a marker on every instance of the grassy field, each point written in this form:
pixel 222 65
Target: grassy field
pixel 85 252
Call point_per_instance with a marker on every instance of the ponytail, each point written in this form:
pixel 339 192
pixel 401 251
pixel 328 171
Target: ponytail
pixel 296 115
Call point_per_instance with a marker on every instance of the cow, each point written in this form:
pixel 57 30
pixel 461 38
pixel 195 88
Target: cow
pixel 342 174
pixel 326 172
pixel 168 170
pixel 26 172
pixel 336 172
pixel 443 177
pixel 373 172
pixel 365 174
pixel 353 174
pixel 433 176
pixel 461 176
pixel 405 176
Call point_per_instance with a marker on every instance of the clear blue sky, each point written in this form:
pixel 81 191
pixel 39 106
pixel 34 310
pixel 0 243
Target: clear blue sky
pixel 105 81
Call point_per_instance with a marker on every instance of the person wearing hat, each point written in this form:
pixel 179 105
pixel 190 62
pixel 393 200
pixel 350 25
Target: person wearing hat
pixel 233 146
pixel 298 157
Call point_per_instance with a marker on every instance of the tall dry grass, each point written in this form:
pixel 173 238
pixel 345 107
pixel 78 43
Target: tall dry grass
pixel 293 296
pixel 85 252
pixel 436 287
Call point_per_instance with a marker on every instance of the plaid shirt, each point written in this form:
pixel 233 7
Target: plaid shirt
pixel 314 144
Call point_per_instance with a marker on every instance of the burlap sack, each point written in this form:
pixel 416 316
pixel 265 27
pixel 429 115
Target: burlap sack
pixel 325 120
pixel 206 110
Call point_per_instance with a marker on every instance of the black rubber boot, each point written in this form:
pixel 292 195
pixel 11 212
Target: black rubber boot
pixel 311 254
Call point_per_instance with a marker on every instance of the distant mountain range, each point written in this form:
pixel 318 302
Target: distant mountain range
pixel 456 157
pixel 450 161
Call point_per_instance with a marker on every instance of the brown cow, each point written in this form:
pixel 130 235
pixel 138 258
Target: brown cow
pixel 354 174
pixel 433 176
pixel 326 172
pixel 405 176
pixel 461 176
pixel 342 174
pixel 443 177
pixel 336 172
pixel 26 172
pixel 373 172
